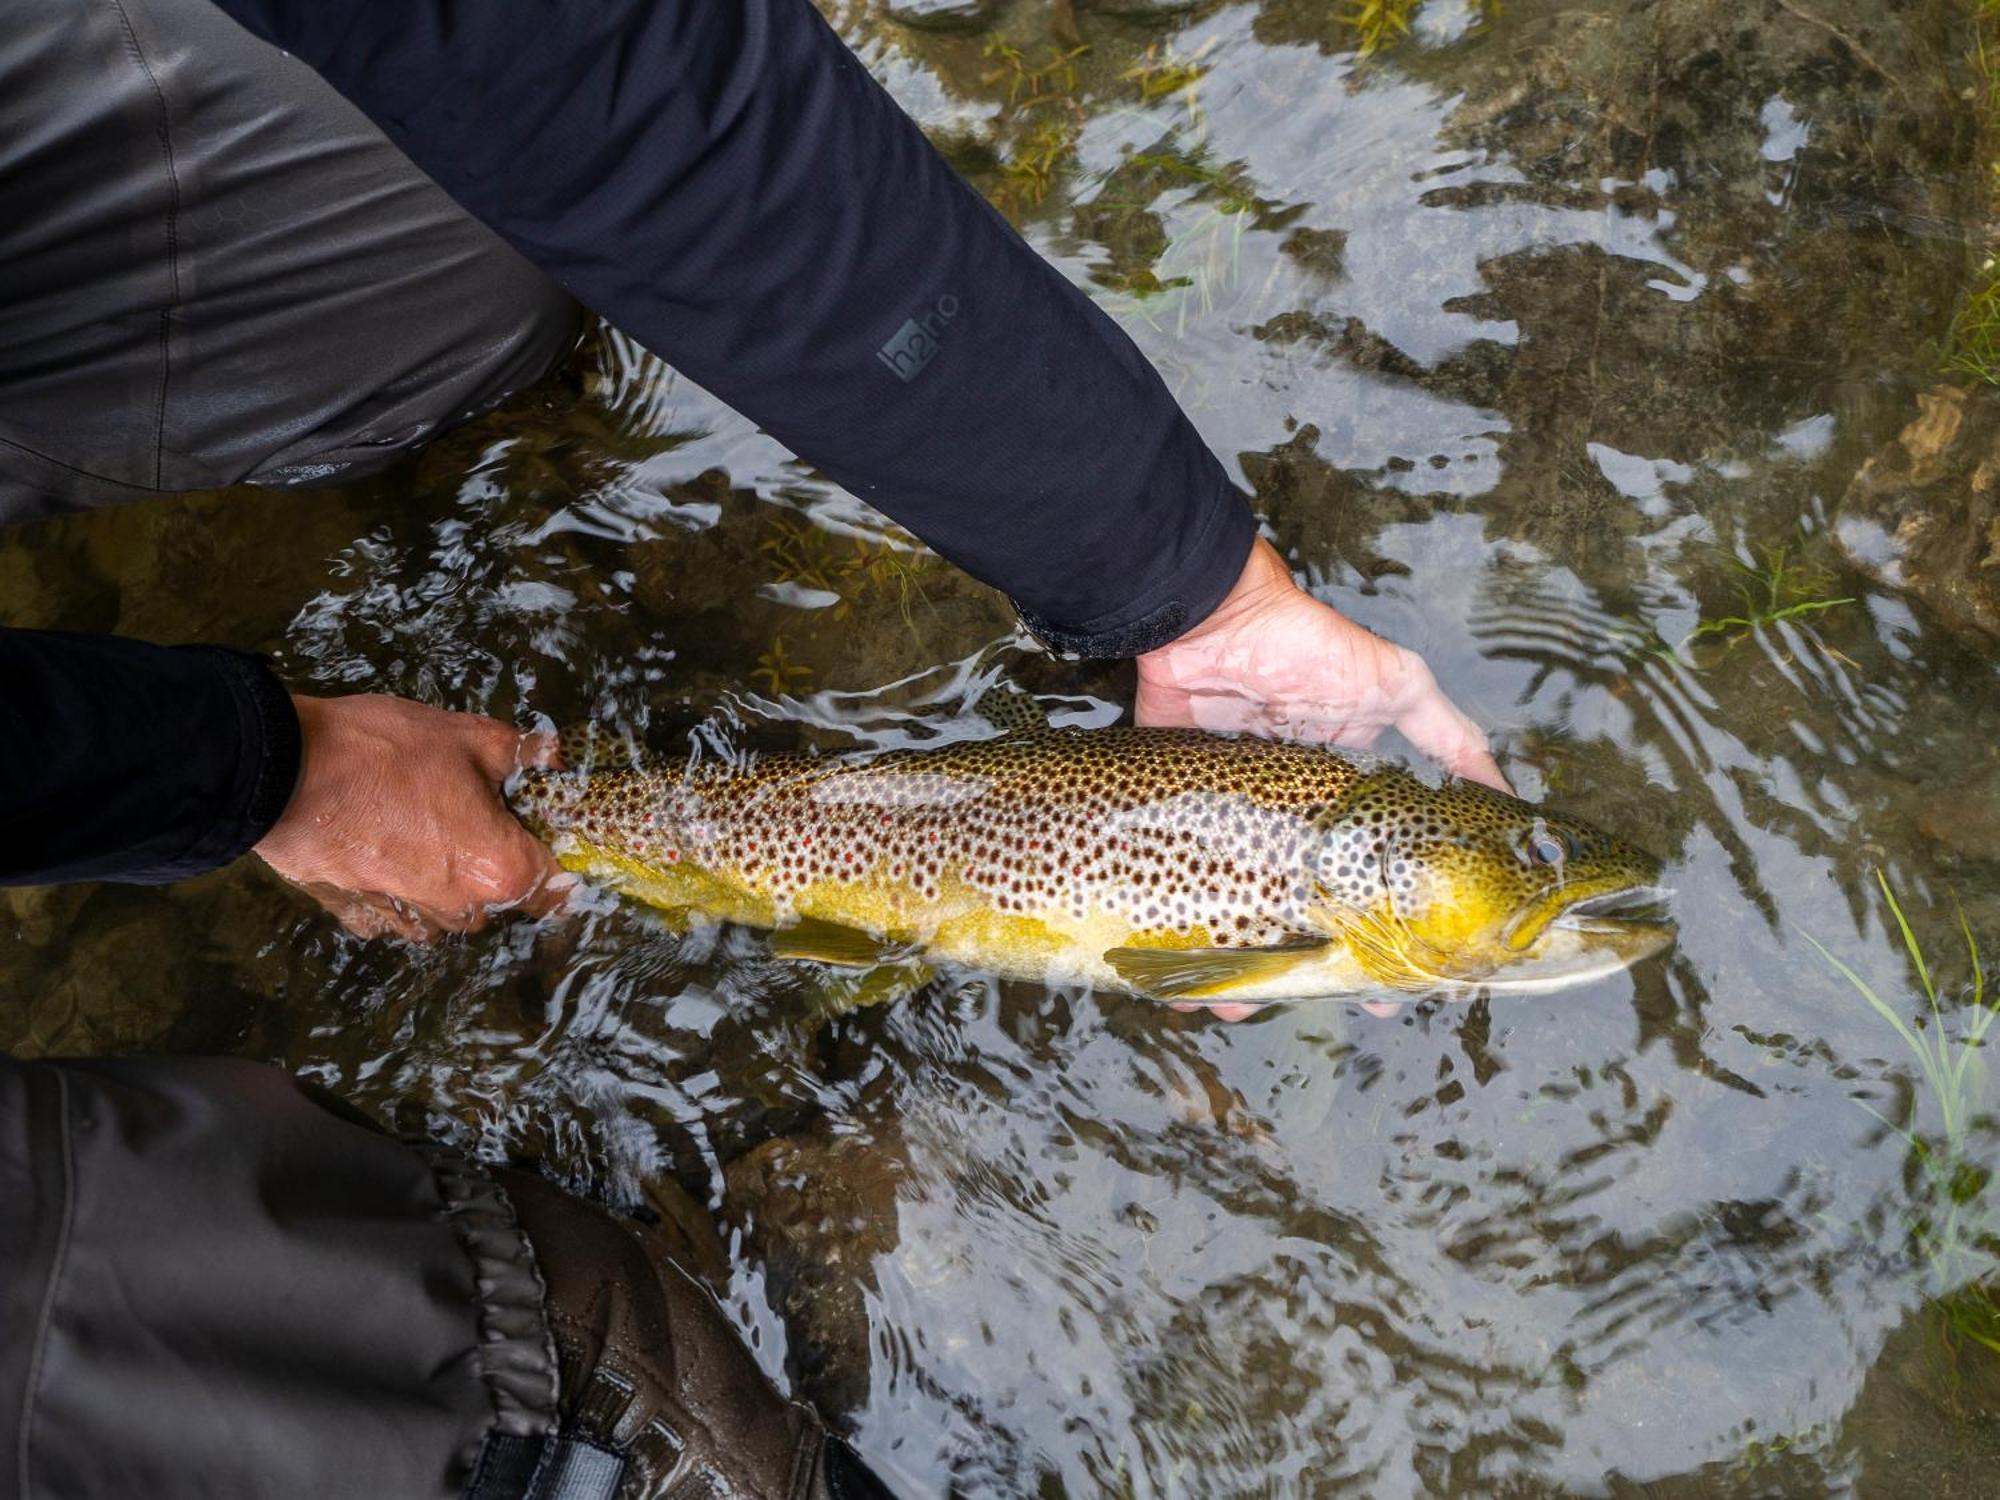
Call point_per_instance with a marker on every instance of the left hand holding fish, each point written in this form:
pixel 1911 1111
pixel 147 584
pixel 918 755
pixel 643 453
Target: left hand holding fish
pixel 397 825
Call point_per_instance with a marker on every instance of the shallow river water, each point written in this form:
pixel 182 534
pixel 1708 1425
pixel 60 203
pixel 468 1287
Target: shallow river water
pixel 1548 338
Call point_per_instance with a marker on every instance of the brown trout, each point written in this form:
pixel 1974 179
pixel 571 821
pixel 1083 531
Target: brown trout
pixel 1169 863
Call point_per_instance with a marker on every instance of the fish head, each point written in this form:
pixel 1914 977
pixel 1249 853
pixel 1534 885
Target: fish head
pixel 1459 885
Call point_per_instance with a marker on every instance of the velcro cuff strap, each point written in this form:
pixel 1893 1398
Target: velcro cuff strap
pixel 530 1468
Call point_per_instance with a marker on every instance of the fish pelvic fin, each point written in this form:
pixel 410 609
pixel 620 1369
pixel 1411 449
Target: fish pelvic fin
pixel 824 942
pixel 1208 973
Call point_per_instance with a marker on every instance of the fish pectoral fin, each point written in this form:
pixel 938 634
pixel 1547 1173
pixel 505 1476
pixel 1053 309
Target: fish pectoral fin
pixel 831 943
pixel 1207 973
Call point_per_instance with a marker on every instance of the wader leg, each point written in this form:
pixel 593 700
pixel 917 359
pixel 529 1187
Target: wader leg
pixel 214 269
pixel 211 1285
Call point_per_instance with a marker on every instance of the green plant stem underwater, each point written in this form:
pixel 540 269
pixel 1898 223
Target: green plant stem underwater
pixel 1954 1231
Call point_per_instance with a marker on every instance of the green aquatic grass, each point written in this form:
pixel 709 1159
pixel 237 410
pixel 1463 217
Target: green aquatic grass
pixel 1045 117
pixel 1188 277
pixel 1777 590
pixel 1954 1230
pixel 1194 269
pixel 1376 23
pixel 1973 346
pixel 1055 77
pixel 1162 73
pixel 893 567
pixel 777 670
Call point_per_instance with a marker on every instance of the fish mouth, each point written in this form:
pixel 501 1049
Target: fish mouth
pixel 1573 935
pixel 1584 905
pixel 1617 910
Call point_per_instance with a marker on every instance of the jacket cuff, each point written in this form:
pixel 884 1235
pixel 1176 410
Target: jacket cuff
pixel 1168 610
pixel 267 767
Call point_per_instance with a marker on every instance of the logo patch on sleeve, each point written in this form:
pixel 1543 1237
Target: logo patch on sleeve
pixel 917 342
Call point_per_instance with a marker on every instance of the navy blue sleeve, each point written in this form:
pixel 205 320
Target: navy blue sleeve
pixel 724 181
pixel 125 761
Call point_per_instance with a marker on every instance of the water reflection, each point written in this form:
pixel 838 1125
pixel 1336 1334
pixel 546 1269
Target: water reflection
pixel 1538 337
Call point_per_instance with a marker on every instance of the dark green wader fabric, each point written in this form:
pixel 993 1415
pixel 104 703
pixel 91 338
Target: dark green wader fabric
pixel 210 1285
pixel 214 269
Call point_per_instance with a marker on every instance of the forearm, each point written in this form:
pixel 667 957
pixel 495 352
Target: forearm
pixel 126 761
pixel 726 183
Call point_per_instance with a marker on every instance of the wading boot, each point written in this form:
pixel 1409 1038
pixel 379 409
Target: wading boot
pixel 654 1376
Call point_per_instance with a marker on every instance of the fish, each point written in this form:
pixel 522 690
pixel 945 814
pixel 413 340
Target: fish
pixel 1174 864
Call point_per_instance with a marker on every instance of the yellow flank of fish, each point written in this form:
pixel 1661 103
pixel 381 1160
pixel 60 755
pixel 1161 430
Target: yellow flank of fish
pixel 1166 862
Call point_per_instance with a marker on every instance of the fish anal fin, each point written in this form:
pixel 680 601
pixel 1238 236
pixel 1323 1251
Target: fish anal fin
pixel 831 943
pixel 1207 973
pixel 855 990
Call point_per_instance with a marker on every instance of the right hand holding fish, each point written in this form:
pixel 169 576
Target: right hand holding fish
pixel 1273 660
pixel 397 825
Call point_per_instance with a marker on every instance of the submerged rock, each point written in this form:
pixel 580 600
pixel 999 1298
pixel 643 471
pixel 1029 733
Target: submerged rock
pixel 817 1209
pixel 1967 821
pixel 944 15
pixel 1923 515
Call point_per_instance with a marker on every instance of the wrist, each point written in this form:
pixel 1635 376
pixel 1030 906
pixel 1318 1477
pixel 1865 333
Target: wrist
pixel 1199 571
pixel 309 716
pixel 1263 584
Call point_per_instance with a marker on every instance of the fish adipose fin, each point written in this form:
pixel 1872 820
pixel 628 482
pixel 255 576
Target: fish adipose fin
pixel 597 747
pixel 1207 973
pixel 830 943
pixel 1010 710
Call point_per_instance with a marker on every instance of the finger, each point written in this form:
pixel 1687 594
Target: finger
pixel 1484 769
pixel 435 920
pixel 1383 1008
pixel 1221 1012
pixel 496 748
pixel 549 896
pixel 1448 737
pixel 509 866
pixel 369 917
pixel 538 750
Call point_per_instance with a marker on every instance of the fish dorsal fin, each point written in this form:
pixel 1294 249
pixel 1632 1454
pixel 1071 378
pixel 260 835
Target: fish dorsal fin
pixel 831 943
pixel 597 747
pixel 1010 710
pixel 1207 973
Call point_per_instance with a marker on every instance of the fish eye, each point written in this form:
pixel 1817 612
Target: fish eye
pixel 1545 846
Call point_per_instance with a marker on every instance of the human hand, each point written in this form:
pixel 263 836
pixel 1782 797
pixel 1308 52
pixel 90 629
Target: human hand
pixel 397 826
pixel 1273 660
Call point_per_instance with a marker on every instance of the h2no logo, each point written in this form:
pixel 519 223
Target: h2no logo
pixel 916 343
